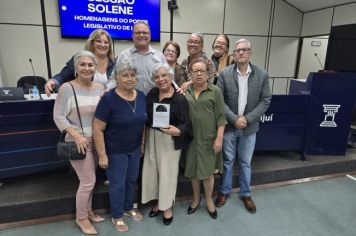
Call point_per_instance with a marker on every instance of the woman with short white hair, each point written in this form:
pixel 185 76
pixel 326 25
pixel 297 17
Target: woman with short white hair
pixel 118 134
pixel 164 144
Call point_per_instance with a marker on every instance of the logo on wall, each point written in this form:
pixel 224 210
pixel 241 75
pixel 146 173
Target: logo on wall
pixel 266 118
pixel 329 119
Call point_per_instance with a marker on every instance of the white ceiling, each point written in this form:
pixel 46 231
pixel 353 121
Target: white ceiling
pixel 311 5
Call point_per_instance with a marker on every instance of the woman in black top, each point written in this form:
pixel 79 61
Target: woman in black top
pixel 164 143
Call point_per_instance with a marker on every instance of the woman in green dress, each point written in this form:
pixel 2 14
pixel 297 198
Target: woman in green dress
pixel 206 109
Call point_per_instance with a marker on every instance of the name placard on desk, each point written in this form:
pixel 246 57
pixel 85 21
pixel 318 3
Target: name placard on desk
pixel 43 95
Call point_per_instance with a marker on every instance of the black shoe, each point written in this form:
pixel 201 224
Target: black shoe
pixel 167 221
pixel 154 213
pixel 220 200
pixel 213 214
pixel 191 210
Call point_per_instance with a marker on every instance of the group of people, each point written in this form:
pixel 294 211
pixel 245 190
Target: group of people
pixel 214 110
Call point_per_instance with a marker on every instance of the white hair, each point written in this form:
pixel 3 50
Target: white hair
pixel 243 41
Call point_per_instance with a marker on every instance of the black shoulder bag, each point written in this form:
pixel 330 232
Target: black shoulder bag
pixel 69 150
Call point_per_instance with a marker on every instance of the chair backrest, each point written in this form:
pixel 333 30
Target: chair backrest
pixel 27 82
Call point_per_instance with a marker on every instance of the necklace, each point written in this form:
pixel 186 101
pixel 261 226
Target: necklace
pixel 124 96
pixel 133 108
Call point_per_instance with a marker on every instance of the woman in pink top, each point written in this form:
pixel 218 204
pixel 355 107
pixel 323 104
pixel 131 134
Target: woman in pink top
pixel 65 116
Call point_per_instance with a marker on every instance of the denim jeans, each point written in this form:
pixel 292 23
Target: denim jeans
pixel 122 173
pixel 236 143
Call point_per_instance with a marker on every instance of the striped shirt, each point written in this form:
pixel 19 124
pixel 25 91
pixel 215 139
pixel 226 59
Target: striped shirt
pixel 65 112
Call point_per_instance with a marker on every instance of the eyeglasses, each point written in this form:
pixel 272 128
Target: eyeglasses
pixel 144 33
pixel 157 77
pixel 196 72
pixel 220 43
pixel 126 76
pixel 192 42
pixel 98 41
pixel 170 51
pixel 243 50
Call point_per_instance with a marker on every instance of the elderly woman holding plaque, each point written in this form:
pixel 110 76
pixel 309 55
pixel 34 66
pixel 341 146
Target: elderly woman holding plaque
pixel 168 131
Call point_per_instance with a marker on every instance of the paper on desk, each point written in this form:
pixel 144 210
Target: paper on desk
pixel 44 96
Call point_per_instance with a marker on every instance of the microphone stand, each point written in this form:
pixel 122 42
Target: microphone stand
pixel 36 82
pixel 321 65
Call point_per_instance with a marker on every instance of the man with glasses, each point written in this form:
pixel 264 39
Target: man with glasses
pixel 143 56
pixel 247 96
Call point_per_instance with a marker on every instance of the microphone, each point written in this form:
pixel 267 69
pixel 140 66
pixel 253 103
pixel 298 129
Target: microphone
pixel 34 76
pixel 321 65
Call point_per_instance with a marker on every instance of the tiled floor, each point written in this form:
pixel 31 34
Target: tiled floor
pixel 323 207
pixel 53 193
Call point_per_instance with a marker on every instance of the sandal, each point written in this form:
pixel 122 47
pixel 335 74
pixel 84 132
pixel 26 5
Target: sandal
pixel 134 214
pixel 120 225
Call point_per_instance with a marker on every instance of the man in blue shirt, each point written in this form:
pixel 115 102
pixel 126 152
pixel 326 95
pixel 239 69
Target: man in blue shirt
pixel 142 55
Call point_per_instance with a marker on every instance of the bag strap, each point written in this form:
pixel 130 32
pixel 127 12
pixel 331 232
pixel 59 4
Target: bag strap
pixel 76 104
